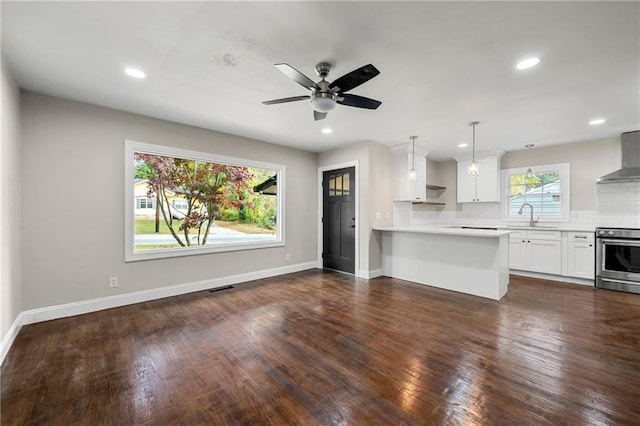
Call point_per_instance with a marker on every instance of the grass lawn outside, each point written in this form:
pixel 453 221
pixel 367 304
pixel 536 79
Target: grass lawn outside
pixel 148 226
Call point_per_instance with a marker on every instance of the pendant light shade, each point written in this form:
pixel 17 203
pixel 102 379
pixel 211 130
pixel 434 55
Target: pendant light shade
pixel 413 174
pixel 473 169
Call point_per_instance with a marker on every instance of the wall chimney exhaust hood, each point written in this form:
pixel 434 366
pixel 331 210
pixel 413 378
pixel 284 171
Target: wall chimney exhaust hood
pixel 630 171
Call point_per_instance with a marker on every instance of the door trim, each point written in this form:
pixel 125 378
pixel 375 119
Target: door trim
pixel 321 170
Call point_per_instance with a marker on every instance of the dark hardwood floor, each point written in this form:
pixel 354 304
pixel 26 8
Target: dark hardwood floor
pixel 323 348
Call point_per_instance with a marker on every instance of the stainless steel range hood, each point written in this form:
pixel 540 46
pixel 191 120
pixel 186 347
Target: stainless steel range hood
pixel 630 171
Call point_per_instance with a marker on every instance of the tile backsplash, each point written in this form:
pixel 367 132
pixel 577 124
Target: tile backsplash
pixel 618 205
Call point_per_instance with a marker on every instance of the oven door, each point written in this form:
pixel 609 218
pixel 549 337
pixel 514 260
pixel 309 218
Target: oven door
pixel 619 259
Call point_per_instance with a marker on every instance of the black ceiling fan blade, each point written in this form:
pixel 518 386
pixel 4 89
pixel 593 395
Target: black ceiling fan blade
pixel 283 100
pixel 358 101
pixel 319 115
pixel 297 76
pixel 354 78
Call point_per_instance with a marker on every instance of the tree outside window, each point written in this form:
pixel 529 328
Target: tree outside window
pixel 546 188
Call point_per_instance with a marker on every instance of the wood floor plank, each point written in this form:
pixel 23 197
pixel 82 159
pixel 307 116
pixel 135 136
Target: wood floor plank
pixel 320 348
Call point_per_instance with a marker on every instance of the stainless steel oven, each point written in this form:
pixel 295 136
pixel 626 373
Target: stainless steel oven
pixel 618 259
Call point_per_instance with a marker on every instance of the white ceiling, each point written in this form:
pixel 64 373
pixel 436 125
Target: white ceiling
pixel 442 65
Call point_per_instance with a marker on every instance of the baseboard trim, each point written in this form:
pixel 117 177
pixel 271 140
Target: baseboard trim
pixel 550 277
pixel 369 274
pixel 8 339
pixel 93 305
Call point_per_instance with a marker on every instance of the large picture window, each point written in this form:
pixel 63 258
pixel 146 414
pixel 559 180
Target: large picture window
pixel 544 188
pixel 180 202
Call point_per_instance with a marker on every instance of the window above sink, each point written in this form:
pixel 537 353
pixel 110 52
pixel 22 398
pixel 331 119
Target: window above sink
pixel 546 188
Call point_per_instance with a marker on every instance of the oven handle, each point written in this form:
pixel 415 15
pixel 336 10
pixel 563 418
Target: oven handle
pixel 629 243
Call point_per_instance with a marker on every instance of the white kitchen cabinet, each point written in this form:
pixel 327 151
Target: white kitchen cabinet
pixel 580 254
pixel 518 250
pixel 403 188
pixel 536 251
pixel 484 188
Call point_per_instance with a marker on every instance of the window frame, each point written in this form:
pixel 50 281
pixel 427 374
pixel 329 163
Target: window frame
pixel 132 147
pixel 563 169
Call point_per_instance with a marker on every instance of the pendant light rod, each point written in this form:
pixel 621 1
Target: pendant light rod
pixel 413 152
pixel 473 124
pixel 529 171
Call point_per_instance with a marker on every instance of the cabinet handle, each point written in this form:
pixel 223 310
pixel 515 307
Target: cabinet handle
pixel 590 245
pixel 584 237
pixel 523 241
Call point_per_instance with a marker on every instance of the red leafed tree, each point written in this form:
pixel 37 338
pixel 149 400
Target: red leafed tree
pixel 206 187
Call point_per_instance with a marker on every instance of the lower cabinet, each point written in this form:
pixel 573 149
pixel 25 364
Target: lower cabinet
pixel 581 254
pixel 565 253
pixel 536 251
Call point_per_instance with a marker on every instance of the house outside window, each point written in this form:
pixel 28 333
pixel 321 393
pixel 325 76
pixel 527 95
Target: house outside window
pixel 546 188
pixel 180 204
pixel 145 203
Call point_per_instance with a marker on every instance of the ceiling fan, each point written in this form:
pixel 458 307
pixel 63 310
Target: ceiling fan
pixel 325 95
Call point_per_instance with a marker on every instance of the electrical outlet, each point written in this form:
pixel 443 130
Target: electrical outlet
pixel 287 257
pixel 113 282
pixel 378 215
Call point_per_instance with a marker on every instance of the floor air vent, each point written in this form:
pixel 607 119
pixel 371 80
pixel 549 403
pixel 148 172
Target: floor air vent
pixel 226 287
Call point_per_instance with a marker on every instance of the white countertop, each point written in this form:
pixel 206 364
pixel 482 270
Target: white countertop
pixel 456 229
pixel 444 230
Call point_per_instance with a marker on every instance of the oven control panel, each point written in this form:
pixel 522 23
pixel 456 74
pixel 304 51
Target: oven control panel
pixel 618 233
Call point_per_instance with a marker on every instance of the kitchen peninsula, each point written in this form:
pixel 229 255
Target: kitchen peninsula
pixel 471 261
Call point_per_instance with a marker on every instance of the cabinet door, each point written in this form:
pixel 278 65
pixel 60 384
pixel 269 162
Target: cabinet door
pixel 466 184
pixel 417 189
pixel 403 188
pixel 483 188
pixel 581 258
pixel 545 256
pixel 517 253
pixel 488 185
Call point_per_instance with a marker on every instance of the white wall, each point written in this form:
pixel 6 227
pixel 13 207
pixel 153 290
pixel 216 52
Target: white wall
pixel 73 206
pixel 589 160
pixel 10 184
pixel 374 186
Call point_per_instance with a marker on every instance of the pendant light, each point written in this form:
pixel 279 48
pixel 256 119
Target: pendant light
pixel 529 171
pixel 413 174
pixel 473 169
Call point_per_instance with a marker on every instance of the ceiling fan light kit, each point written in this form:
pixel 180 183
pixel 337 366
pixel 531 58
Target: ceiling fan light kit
pixel 324 95
pixel 323 102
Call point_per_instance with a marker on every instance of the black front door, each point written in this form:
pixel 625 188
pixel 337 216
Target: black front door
pixel 339 219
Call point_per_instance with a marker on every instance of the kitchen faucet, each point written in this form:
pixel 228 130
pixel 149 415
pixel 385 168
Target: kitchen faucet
pixel 531 221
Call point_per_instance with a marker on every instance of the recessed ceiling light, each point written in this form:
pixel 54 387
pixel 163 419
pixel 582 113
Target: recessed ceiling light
pixel 462 145
pixel 135 73
pixel 528 63
pixel 597 121
pixel 327 131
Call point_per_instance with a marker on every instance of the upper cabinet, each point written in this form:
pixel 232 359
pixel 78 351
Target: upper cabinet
pixel 403 160
pixel 484 188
